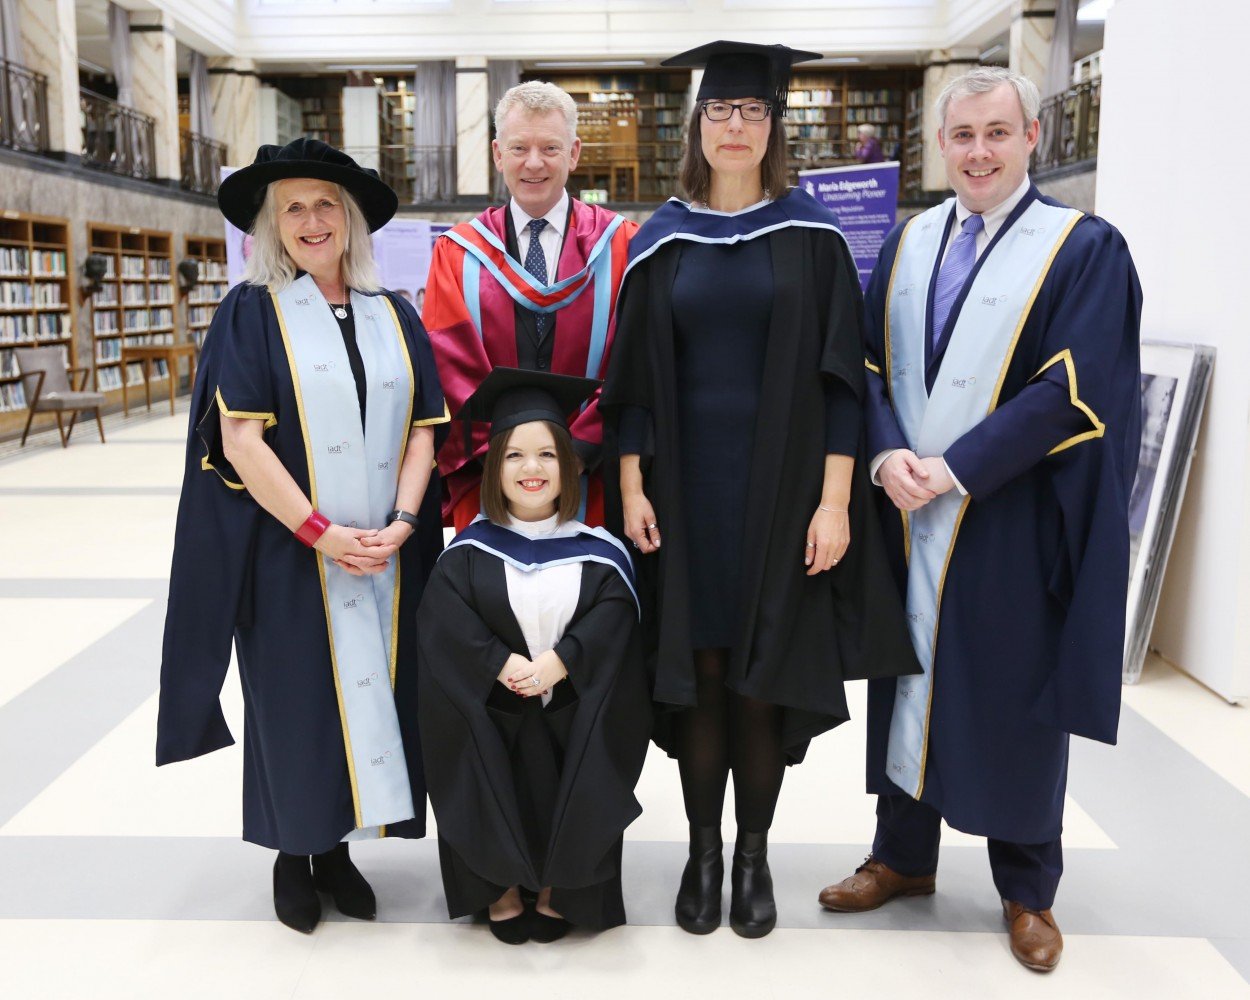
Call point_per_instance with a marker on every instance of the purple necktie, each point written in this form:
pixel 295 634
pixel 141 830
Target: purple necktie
pixel 954 272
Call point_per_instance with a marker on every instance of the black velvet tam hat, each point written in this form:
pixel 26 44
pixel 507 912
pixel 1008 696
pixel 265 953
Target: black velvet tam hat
pixel 241 194
pixel 735 70
pixel 509 397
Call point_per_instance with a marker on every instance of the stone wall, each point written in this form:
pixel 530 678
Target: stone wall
pixel 83 197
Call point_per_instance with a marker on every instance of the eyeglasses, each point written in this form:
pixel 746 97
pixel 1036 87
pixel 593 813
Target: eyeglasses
pixel 722 111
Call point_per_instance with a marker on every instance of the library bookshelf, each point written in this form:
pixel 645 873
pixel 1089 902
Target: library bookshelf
pixel 135 304
pixel 202 301
pixel 36 301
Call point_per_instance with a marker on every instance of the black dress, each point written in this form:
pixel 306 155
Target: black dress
pixel 738 366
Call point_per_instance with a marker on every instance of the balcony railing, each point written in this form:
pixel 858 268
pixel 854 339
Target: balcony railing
pixel 23 108
pixel 1069 131
pixel 117 138
pixel 202 159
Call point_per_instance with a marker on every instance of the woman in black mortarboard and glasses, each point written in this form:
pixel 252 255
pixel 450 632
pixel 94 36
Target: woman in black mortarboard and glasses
pixel 735 388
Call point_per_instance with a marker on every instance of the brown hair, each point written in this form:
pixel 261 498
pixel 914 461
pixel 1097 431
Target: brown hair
pixel 495 504
pixel 696 172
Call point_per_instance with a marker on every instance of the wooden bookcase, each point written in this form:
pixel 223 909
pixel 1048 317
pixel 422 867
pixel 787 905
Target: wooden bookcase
pixel 395 143
pixel 203 299
pixel 912 181
pixel 136 304
pixel 37 291
pixel 631 127
pixel 827 106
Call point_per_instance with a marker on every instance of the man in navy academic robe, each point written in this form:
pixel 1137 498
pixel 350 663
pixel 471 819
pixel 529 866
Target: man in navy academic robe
pixel 1003 414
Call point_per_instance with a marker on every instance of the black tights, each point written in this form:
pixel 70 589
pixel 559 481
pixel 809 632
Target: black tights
pixel 727 732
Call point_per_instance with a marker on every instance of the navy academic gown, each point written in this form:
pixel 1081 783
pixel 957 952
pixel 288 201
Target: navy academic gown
pixel 240 578
pixel 1031 633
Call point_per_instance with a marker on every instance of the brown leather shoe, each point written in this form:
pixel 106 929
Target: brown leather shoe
pixel 871 885
pixel 1035 938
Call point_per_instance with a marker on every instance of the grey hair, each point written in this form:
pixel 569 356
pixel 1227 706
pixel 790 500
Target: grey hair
pixel 537 98
pixel 270 264
pixel 867 129
pixel 982 80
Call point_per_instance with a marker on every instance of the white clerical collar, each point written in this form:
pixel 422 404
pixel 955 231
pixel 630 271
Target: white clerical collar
pixel 995 217
pixel 556 218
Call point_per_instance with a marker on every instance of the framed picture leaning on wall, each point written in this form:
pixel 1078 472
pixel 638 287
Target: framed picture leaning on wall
pixel 1174 381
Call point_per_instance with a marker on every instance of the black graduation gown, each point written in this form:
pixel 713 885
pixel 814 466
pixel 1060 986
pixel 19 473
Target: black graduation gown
pixel 525 795
pixel 240 579
pixel 801 636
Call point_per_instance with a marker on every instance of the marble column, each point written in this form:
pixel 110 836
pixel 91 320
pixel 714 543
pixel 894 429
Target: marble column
pixel 362 133
pixel 1032 27
pixel 233 93
pixel 155 58
pixel 943 66
pixel 50 47
pixel 472 127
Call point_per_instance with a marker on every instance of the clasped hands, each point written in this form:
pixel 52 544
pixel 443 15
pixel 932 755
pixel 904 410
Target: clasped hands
pixel 911 482
pixel 363 552
pixel 519 674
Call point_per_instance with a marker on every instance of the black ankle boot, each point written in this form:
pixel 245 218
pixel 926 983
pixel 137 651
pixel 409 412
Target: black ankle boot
pixel 334 873
pixel 294 896
pixel 699 898
pixel 752 910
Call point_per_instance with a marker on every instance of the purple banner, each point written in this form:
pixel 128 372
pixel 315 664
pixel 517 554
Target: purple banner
pixel 865 200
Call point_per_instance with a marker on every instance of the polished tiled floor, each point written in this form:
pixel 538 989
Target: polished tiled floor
pixel 121 880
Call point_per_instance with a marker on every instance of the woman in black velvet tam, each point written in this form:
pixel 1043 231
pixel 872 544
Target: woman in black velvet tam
pixel 309 452
pixel 735 387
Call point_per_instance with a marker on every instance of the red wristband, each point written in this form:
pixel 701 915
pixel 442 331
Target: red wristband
pixel 312 529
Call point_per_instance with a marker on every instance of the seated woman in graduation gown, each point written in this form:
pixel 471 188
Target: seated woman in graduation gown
pixel 534 708
pixel 310 448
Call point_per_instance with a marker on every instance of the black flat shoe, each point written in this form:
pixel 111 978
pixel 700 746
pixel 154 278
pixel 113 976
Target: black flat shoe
pixel 752 909
pixel 699 897
pixel 545 929
pixel 294 897
pixel 514 930
pixel 334 873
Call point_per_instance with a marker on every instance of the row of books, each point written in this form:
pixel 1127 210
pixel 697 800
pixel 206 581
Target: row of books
pixel 12 396
pixel 16 262
pixel 875 97
pixel 799 98
pixel 212 270
pixel 148 339
pixel 212 292
pixel 111 377
pixel 104 322
pixel 200 315
pixel 15 293
pixel 871 114
pixel 28 329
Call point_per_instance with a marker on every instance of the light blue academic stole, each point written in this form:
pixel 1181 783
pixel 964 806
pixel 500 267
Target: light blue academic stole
pixel 353 476
pixel 965 391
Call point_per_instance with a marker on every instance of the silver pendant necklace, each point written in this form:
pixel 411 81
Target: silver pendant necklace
pixel 340 311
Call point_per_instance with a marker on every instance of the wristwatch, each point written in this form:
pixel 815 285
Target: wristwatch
pixel 402 515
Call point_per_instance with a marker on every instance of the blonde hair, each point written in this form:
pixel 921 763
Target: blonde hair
pixel 270 264
pixel 982 80
pixel 537 98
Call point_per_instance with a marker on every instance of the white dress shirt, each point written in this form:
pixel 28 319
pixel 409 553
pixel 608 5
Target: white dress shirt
pixel 550 239
pixel 543 600
pixel 992 221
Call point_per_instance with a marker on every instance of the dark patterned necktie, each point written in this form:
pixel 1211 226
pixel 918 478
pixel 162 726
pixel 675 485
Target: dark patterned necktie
pixel 954 272
pixel 536 264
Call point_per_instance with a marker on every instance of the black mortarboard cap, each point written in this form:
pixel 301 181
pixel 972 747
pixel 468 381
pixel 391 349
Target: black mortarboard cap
pixel 509 397
pixel 743 69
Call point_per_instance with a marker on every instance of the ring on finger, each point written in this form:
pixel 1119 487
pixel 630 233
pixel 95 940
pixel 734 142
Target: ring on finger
pixel 652 526
pixel 810 545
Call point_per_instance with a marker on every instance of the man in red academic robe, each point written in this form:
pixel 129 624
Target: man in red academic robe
pixel 531 284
